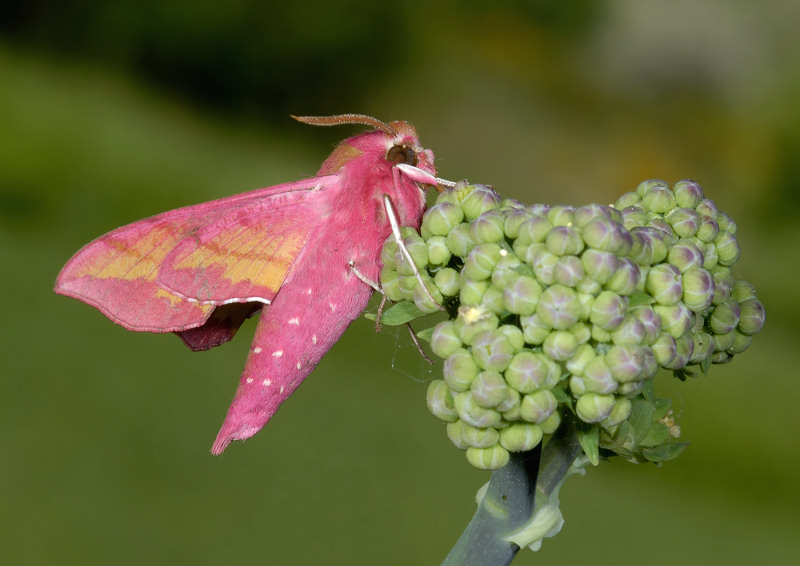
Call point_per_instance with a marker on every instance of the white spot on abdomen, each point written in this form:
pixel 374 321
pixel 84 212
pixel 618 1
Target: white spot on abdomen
pixel 267 382
pixel 314 339
pixel 277 353
pixel 309 291
pixel 249 380
pixel 295 321
pixel 257 350
pixel 298 365
pixel 333 306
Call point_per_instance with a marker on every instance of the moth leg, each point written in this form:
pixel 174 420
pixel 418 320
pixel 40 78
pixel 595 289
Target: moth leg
pixel 379 314
pixel 415 340
pixel 387 203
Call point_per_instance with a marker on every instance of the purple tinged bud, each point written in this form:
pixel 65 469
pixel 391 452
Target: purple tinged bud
pixel 539 209
pixel 645 186
pixel 741 342
pixel 599 265
pixel 492 458
pixel 568 271
pixel 522 295
pixel 707 207
pixel 534 230
pixel 488 389
pixel 665 349
pixel 538 406
pixel 514 336
pixel 708 230
pixel 533 329
pixel 688 194
pixel 597 377
pixel 684 348
pixel 634 217
pixel 521 437
pixel 631 331
pixel 511 402
pixel 626 362
pixel 481 261
pixel 442 217
pixel 675 319
pixel 543 262
pixel 589 286
pixel 589 212
pixel 459 370
pixel 626 200
pixel 504 272
pixel 642 249
pixel 560 345
pixel 448 282
pixel 444 339
pixel 703 347
pixel 627 277
pixel 514 220
pixel 472 291
pixel 581 331
pixel 459 240
pixel 651 323
pixel 561 215
pixel 603 234
pixel 685 255
pixel 725 317
pixel 440 401
pixel 710 254
pixel 479 200
pixel 492 350
pixel 727 248
pixel 594 407
pixel 493 300
pixel 488 227
pixel 559 307
pixel 658 199
pixel 698 289
pixel 564 240
pixel 752 317
pixel 723 283
pixel 664 284
pixel 472 320
pixel 528 371
pixel 726 223
pixel 608 310
pixel 684 221
pixel 423 301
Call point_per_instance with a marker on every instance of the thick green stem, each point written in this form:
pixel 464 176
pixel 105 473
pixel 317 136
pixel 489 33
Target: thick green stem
pixel 510 500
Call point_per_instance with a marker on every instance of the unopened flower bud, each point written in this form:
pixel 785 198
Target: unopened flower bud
pixel 488 227
pixel 473 414
pixel 604 235
pixel 725 317
pixel 492 458
pixel 708 230
pixel 664 283
pixel 568 271
pixel 631 388
pixel 440 401
pixel 390 284
pixel 534 329
pixel 459 240
pixel 459 370
pixel 581 331
pixel 561 215
pixel 471 292
pixel 559 307
pixel 479 200
pixel 665 349
pixel 560 345
pixel 627 199
pixel 493 300
pixel 583 355
pixel 564 240
pixel 698 289
pixel 685 255
pixel 626 362
pixel 703 347
pixel 708 208
pixel 625 280
pixel 594 407
pixel 479 437
pixel 447 281
pixel 631 331
pixel 643 187
pixel 506 270
pixel 481 261
pixel 513 221
pixel 444 339
pixel 520 437
pixel 585 214
pixel 752 316
pixel 741 342
pixel 514 336
pixel 551 423
pixel 597 376
pixel 599 265
pixel 620 413
pixel 688 194
pixel 534 230
pixel 608 310
pixel 529 371
pixel 727 248
pixel 454 434
pixel 438 252
pixel 658 198
pixel 522 295
pixel 684 221
pixel 723 341
pixel 492 350
pixel 423 299
pixel 488 388
pixel 675 319
pixel 634 217
pixel 509 402
pixel 543 262
pixel 442 217
pixel 538 406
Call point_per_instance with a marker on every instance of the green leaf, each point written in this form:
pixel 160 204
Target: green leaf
pixel 649 390
pixel 639 298
pixel 705 365
pixel 662 408
pixel 563 397
pixel 657 434
pixel 425 334
pixel 402 312
pixel 641 419
pixel 665 452
pixel 589 437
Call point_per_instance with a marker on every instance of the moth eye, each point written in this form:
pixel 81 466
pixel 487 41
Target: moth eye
pixel 402 154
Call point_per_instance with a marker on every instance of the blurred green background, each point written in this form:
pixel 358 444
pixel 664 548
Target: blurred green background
pixel 113 111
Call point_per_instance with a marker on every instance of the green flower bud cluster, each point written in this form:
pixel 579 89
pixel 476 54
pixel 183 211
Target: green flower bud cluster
pixel 560 308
